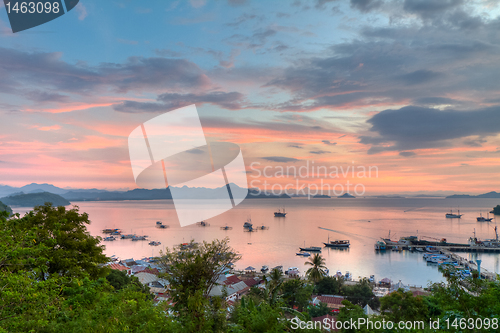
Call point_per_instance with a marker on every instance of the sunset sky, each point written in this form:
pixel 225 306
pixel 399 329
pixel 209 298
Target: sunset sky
pixel 411 87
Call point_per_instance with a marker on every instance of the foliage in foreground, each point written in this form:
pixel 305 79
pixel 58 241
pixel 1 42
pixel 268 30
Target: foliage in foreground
pixel 52 280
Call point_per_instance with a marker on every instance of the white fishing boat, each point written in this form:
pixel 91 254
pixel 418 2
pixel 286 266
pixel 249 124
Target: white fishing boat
pixel 388 240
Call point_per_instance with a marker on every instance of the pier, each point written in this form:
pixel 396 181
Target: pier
pixel 450 250
pixel 471 265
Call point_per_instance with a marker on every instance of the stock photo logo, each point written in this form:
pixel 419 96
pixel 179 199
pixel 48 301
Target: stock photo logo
pixel 171 151
pixel 25 15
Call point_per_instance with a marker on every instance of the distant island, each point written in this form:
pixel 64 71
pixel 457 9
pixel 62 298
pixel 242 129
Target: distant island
pixel 135 194
pixel 35 199
pixel 346 195
pixel 489 195
pixel 5 208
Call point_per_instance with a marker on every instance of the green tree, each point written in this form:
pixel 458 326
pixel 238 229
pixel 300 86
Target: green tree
pixel 496 210
pixel 320 310
pixel 351 312
pixel 400 305
pixel 329 285
pixel 273 283
pixel 317 271
pixel 249 316
pixel 120 279
pixel 296 293
pixel 197 266
pixel 193 271
pixel 5 208
pixel 361 294
pixel 60 237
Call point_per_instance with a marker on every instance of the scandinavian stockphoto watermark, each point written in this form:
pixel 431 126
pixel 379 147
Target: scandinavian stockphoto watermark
pixel 310 179
pixel 171 151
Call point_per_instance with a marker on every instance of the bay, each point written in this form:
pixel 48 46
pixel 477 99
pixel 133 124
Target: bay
pixel 363 221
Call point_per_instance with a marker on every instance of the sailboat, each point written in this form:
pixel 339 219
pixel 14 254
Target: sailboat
pixel 481 218
pixel 310 248
pixel 280 213
pixel 450 215
pixel 337 243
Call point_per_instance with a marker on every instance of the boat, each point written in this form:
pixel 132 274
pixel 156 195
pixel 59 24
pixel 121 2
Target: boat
pixel 264 269
pixel 226 228
pixel 280 213
pixel 473 241
pixel 263 227
pixel 481 218
pixel 292 269
pixel 129 236
pixel 492 242
pixel 153 243
pixel 388 240
pixel 450 215
pixel 372 278
pixel 304 254
pixel 380 246
pixel 138 238
pixel 431 249
pixel 203 224
pixel 162 226
pixel 109 231
pixel 311 249
pixel 109 238
pixel 348 276
pixel 158 223
pixel 248 223
pixel 408 240
pixel 419 249
pixel 338 274
pixel 337 243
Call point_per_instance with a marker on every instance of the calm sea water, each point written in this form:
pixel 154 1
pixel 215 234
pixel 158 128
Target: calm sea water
pixel 362 220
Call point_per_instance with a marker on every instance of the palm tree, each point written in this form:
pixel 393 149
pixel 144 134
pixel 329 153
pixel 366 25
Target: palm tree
pixel 317 271
pixel 273 286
